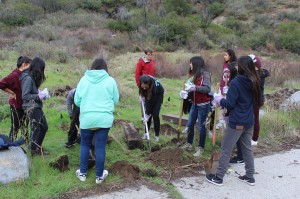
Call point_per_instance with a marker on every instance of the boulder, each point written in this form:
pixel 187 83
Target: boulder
pixel 14 165
pixel 292 103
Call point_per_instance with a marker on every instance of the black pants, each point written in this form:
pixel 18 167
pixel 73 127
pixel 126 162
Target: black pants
pixel 38 128
pixel 19 121
pixel 72 134
pixel 155 114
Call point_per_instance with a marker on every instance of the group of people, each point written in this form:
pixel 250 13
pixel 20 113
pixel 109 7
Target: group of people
pixel 93 101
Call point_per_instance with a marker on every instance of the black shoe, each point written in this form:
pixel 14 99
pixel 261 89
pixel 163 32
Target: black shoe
pixel 214 179
pixel 70 144
pixel 236 161
pixel 250 181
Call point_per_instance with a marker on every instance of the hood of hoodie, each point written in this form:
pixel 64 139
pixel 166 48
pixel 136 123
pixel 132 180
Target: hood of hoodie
pixel 24 74
pixel 244 81
pixel 95 76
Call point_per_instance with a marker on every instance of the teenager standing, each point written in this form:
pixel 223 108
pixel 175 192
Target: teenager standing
pixel 243 94
pixel 96 96
pixel 33 104
pixel 12 85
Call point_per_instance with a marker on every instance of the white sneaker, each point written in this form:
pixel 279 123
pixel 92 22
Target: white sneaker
pixel 99 180
pixel 144 136
pixel 187 146
pixel 156 138
pixel 199 151
pixel 254 143
pixel 80 176
pixel 185 130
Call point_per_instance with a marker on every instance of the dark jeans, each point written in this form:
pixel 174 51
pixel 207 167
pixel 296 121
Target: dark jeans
pixel 72 134
pixel 155 114
pixel 200 113
pixel 19 121
pixel 256 124
pixel 100 136
pixel 38 128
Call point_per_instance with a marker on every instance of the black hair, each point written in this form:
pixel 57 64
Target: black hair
pixel 147 93
pixel 246 67
pixel 233 70
pixel 198 67
pixel 23 59
pixel 231 54
pixel 36 71
pixel 99 64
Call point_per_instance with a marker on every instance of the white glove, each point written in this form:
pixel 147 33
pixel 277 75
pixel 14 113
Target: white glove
pixel 190 87
pixel 146 118
pixel 217 95
pixel 46 93
pixel 183 94
pixel 225 89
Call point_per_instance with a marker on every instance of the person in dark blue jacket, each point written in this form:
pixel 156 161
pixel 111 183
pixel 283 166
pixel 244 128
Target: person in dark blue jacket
pixel 243 93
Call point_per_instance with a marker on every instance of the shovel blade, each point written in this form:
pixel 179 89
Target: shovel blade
pixel 212 164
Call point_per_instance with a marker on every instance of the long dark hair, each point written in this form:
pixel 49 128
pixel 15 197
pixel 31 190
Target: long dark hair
pixel 147 93
pixel 246 67
pixel 198 67
pixel 99 64
pixel 36 71
pixel 231 54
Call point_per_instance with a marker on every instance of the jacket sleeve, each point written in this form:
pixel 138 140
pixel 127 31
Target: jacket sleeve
pixel 6 82
pixel 205 87
pixel 27 87
pixel 138 72
pixel 70 102
pixel 266 72
pixel 115 94
pixel 231 97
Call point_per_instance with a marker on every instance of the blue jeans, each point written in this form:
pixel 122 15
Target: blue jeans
pixel 100 137
pixel 200 113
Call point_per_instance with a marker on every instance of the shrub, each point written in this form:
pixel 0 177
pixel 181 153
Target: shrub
pixel 122 26
pixel 222 36
pixel 256 39
pixel 42 32
pixel 56 5
pixel 290 41
pixel 93 5
pixel 215 9
pixel 180 7
pixel 20 14
pixel 198 41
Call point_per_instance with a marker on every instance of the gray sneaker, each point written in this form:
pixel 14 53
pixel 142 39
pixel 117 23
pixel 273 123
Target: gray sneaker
pixel 187 146
pixel 99 180
pixel 199 151
pixel 80 176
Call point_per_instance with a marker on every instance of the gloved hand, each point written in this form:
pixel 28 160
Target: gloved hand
pixel 225 89
pixel 183 94
pixel 42 96
pixel 146 118
pixel 190 87
pixel 46 92
pixel 218 98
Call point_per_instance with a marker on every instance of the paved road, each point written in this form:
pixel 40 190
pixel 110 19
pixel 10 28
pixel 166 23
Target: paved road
pixel 277 176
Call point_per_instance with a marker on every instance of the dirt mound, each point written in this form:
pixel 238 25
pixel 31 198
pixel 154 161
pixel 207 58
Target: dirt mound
pixel 61 91
pixel 128 171
pixel 167 129
pixel 275 99
pixel 61 163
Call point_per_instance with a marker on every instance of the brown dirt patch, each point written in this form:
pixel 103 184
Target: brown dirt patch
pixel 167 129
pixel 275 99
pixel 128 171
pixel 61 163
pixel 61 91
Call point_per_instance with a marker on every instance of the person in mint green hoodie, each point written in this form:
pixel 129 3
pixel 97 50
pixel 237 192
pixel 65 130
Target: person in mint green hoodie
pixel 96 96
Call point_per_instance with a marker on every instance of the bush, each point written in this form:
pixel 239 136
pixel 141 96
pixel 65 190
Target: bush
pixel 180 7
pixel 256 39
pixel 93 5
pixel 222 36
pixel 199 41
pixel 42 32
pixel 122 26
pixel 290 41
pixel 55 5
pixel 20 14
pixel 215 9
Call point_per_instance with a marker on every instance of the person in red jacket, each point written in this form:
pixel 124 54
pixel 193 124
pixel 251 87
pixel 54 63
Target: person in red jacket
pixel 145 66
pixel 12 85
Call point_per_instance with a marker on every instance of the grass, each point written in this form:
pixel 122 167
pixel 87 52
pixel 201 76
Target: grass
pixel 47 182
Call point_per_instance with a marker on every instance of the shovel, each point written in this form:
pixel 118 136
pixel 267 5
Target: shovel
pixel 145 123
pixel 212 164
pixel 180 120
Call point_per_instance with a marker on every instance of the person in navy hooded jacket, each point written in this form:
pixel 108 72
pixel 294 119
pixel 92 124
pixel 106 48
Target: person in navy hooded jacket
pixel 243 94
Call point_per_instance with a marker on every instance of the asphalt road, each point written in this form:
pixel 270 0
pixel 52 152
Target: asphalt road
pixel 277 176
